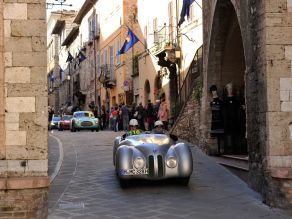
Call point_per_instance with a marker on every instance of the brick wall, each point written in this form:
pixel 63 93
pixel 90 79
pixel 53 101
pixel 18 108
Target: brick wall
pixel 23 109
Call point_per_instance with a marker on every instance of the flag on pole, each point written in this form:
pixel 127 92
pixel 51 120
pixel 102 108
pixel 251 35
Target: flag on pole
pixel 69 58
pixel 131 39
pixel 61 71
pixel 81 56
pixel 185 11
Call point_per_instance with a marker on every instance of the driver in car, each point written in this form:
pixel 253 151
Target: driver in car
pixel 133 127
pixel 158 128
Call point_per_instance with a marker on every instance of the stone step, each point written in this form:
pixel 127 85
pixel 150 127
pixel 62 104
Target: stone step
pixel 237 164
pixel 235 161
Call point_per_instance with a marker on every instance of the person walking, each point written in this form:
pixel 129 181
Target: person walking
pixel 163 114
pixel 125 116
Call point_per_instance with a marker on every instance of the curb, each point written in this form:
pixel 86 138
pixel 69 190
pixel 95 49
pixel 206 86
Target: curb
pixel 60 160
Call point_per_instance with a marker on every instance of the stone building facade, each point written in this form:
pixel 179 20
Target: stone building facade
pixel 248 43
pixel 23 109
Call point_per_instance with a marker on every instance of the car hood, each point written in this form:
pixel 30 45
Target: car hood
pixel 81 119
pixel 150 149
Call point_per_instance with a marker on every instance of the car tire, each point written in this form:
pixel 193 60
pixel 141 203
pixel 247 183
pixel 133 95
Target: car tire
pixel 97 130
pixel 124 183
pixel 92 130
pixel 184 181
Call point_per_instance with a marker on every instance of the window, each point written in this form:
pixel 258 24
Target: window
pixel 111 49
pixel 98 64
pixel 118 58
pixel 154 24
pixel 92 27
pixel 145 36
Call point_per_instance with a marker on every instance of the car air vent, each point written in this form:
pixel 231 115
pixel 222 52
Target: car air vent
pixel 151 165
pixel 86 123
pixel 160 166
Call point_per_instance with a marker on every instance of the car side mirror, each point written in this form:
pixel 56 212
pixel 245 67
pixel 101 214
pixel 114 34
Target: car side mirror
pixel 173 137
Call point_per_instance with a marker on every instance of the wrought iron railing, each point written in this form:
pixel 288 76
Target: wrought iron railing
pixel 164 38
pixel 189 82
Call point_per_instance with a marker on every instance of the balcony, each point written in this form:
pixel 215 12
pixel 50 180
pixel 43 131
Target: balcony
pixel 107 77
pixel 164 40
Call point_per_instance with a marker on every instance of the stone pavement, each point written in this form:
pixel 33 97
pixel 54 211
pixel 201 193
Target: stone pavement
pixel 87 188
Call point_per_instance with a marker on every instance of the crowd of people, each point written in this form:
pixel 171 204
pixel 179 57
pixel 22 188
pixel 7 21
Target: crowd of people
pixel 120 115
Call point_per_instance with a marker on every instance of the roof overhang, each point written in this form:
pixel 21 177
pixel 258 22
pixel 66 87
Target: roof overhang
pixel 58 27
pixel 88 4
pixel 71 36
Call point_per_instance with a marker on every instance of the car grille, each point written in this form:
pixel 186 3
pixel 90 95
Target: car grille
pixel 160 166
pixel 86 123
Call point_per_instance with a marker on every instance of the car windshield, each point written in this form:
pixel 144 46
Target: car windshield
pixel 56 118
pixel 67 117
pixel 82 114
pixel 151 138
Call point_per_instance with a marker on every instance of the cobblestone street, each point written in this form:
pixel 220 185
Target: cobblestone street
pixel 86 187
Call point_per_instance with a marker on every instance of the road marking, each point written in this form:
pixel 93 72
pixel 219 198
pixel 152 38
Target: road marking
pixel 60 160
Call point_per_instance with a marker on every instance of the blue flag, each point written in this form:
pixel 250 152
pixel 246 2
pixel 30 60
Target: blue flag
pixel 81 57
pixel 131 39
pixel 69 58
pixel 185 11
pixel 61 71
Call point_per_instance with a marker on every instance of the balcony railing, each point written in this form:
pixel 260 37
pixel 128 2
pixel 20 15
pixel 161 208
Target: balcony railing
pixel 164 39
pixel 187 88
pixel 107 76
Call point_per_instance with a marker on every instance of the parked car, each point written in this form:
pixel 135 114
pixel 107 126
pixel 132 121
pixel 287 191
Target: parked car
pixel 64 123
pixel 54 122
pixel 151 157
pixel 84 120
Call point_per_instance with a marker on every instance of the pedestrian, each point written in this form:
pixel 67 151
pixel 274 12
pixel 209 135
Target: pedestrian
pixel 115 118
pixel 111 123
pixel 125 117
pixel 150 115
pixel 156 109
pixel 163 113
pixel 141 116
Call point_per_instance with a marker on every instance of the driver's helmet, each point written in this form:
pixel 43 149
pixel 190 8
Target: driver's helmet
pixel 133 122
pixel 158 123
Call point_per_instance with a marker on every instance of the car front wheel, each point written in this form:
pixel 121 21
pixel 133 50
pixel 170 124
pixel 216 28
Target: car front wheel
pixel 184 181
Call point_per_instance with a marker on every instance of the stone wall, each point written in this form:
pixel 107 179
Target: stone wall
pixel 23 108
pixel 188 125
pixel 265 28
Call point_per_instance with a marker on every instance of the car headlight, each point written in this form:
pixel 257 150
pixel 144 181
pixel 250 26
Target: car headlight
pixel 139 163
pixel 171 162
pixel 96 121
pixel 52 123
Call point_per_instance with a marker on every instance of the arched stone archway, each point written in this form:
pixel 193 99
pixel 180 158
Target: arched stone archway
pixel 226 64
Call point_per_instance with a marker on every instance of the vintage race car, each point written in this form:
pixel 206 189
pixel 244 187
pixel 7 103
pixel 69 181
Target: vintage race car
pixel 151 157
pixel 64 123
pixel 54 122
pixel 84 120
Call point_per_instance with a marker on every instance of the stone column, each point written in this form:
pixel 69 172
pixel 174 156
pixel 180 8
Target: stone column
pixel 23 109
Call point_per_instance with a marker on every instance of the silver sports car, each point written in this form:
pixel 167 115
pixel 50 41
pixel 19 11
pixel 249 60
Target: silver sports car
pixel 151 157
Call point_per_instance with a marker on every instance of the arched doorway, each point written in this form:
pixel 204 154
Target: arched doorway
pixel 226 70
pixel 147 94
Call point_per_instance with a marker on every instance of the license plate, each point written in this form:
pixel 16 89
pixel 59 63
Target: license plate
pixel 135 172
